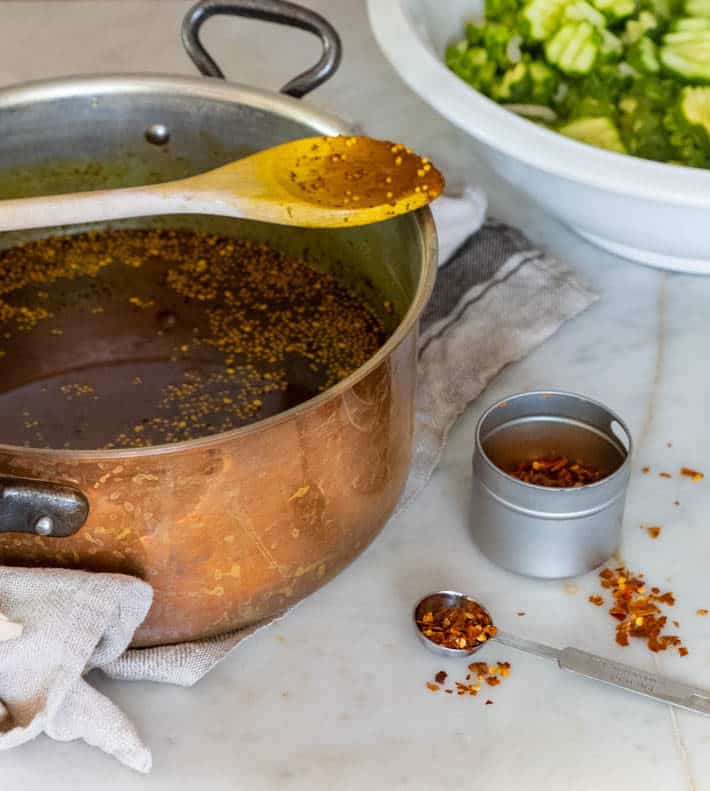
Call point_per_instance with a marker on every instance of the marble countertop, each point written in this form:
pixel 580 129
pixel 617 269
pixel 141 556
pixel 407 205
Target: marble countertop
pixel 334 695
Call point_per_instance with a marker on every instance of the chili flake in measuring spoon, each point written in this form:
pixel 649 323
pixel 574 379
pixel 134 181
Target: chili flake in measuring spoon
pixel 461 628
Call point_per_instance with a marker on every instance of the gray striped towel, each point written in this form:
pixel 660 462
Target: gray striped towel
pixel 496 299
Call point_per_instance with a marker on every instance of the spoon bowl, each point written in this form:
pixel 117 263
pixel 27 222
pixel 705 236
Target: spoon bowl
pixel 444 600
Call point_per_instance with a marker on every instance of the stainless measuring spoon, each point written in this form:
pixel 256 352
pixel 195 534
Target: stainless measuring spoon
pixel 617 674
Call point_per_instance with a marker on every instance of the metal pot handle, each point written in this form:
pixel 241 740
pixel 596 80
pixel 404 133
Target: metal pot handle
pixel 41 508
pixel 279 11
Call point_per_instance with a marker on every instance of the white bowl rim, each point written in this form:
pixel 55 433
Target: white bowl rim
pixel 521 139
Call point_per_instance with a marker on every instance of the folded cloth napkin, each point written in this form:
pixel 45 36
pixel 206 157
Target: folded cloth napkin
pixel 489 279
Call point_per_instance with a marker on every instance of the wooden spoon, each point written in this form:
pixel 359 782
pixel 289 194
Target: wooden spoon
pixel 322 182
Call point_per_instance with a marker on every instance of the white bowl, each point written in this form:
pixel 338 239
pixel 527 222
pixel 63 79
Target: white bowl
pixel 649 212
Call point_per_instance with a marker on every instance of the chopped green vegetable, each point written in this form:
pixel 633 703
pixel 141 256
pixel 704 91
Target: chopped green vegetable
pixel 542 18
pixel 687 54
pixel 646 22
pixel 643 56
pixel 616 9
pixel 698 8
pixel 599 132
pixel 574 48
pixel 689 126
pixel 625 75
pixel 691 23
pixel 642 119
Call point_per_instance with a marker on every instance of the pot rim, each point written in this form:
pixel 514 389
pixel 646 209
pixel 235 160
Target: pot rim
pixel 216 89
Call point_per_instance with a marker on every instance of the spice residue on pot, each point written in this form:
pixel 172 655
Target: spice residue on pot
pixel 133 338
pixel 558 472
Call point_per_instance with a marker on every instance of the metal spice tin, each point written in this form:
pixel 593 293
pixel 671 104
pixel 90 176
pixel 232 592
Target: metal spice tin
pixel 540 531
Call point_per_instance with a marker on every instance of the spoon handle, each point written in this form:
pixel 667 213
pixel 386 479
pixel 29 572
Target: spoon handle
pixel 187 196
pixel 617 674
pixel 649 684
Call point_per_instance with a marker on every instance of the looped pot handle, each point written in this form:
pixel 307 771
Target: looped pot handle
pixel 41 508
pixel 279 11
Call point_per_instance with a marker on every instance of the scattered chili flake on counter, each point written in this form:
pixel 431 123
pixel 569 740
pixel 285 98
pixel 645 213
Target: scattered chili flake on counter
pixel 645 470
pixel 701 611
pixel 461 628
pixel 654 532
pixel 596 600
pixel 638 612
pixel 664 475
pixel 520 613
pixel 489 702
pixel 689 473
pixel 559 472
pixel 676 503
pixel 478 673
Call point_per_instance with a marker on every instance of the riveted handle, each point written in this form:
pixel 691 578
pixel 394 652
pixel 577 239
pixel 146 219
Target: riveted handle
pixel 279 11
pixel 41 508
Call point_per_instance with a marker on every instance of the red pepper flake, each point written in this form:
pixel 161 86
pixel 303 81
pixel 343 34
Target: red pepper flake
pixel 676 624
pixel 694 474
pixel 645 470
pixel 462 628
pixel 559 472
pixel 493 675
pixel 520 614
pixel 596 599
pixel 489 702
pixel 683 651
pixel 664 475
pixel 479 668
pixel 638 612
pixel 702 611
pixel 654 532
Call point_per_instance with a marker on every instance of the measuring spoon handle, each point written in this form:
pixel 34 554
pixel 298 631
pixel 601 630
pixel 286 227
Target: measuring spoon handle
pixel 649 684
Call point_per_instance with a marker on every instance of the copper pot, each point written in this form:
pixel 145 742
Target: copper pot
pixel 232 528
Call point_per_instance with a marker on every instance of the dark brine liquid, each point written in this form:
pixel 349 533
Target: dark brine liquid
pixel 118 339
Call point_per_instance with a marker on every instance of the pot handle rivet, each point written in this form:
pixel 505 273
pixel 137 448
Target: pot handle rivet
pixel 157 134
pixel 44 526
